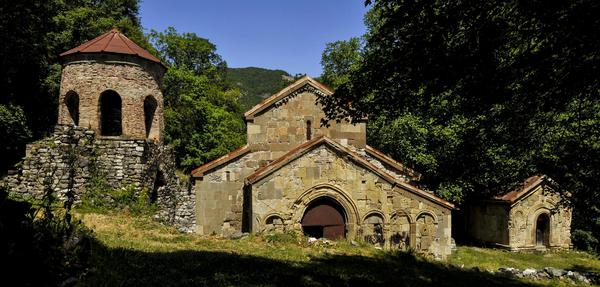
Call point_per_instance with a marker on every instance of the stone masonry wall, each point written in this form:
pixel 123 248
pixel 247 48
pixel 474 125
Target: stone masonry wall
pixel 524 214
pixel 282 128
pixel 406 219
pixel 72 156
pixel 129 77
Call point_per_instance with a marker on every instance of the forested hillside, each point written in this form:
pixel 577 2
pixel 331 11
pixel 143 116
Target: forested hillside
pixel 257 83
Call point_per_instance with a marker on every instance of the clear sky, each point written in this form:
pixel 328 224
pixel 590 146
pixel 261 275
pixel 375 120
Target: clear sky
pixel 275 34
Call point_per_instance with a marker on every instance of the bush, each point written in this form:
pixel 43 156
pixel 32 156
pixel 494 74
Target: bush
pixel 584 240
pixel 100 197
pixel 40 246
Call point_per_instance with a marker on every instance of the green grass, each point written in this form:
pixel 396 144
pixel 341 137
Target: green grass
pixel 492 259
pixel 137 251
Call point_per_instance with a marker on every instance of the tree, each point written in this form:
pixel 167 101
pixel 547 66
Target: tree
pixel 488 92
pixel 339 60
pixel 34 34
pixel 202 113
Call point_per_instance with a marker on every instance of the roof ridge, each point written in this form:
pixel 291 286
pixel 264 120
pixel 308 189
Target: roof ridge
pixel 126 44
pixel 298 151
pixel 286 91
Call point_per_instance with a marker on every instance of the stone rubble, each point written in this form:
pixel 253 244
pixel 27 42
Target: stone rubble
pixel 549 273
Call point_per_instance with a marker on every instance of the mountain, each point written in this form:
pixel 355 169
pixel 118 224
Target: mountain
pixel 257 84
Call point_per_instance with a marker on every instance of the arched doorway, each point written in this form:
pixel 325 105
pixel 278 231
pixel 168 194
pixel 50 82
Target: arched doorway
pixel 150 105
pixel 110 114
pixel 324 218
pixel 72 103
pixel 542 230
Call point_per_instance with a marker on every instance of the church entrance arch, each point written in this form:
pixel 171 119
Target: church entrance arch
pixel 542 230
pixel 324 218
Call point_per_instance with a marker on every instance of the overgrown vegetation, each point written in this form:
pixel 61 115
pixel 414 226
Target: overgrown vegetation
pixel 40 244
pixel 129 249
pixel 480 95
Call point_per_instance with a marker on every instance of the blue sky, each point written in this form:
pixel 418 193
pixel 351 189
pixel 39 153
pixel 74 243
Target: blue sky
pixel 275 34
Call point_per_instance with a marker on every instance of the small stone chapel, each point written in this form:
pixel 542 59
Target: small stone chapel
pixel 294 174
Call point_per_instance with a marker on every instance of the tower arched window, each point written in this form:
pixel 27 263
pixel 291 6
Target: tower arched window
pixel 308 130
pixel 150 106
pixel 72 103
pixel 110 114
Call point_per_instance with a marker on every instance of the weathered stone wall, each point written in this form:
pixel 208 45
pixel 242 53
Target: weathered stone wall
pixel 524 214
pixel 132 78
pixel 487 222
pixel 283 127
pixel 513 225
pixel 220 195
pixel 366 198
pixel 72 156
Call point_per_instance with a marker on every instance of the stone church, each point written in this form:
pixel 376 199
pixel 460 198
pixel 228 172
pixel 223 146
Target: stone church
pixel 294 174
pixel 528 217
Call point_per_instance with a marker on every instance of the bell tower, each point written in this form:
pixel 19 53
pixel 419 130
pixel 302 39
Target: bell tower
pixel 112 86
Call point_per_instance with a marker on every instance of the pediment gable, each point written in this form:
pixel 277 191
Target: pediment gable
pixel 347 154
pixel 304 84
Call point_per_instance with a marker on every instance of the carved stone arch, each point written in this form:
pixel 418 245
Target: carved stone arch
pixel 428 212
pixel 399 230
pixel 372 228
pixel 426 231
pixel 325 190
pixel 375 211
pixel 535 229
pixel 273 222
pixel 71 102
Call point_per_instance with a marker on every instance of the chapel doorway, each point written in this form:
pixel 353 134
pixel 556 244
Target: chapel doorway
pixel 324 218
pixel 542 230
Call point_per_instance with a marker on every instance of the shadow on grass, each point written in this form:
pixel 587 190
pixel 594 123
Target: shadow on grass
pixel 123 267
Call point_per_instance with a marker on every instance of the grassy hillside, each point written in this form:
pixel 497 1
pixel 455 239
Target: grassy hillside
pixel 257 83
pixel 137 251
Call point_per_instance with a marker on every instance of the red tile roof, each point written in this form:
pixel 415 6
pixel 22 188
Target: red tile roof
pixel 309 145
pixel 115 42
pixel 392 162
pixel 306 80
pixel 522 189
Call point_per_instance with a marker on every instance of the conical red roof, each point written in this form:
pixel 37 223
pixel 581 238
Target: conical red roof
pixel 112 42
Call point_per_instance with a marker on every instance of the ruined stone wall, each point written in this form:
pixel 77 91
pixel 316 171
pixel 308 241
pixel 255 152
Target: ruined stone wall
pixel 408 219
pixel 281 128
pixel 524 215
pixel 72 156
pixel 133 79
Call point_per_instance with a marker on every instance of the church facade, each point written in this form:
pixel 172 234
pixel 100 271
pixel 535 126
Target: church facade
pixel 294 174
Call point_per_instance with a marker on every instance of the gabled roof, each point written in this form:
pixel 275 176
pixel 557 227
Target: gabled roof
pixel 392 162
pixel 301 83
pixel 114 42
pixel 522 189
pixel 199 172
pixel 310 145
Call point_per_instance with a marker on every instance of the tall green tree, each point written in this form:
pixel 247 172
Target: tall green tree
pixel 339 60
pixel 33 34
pixel 480 95
pixel 202 112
